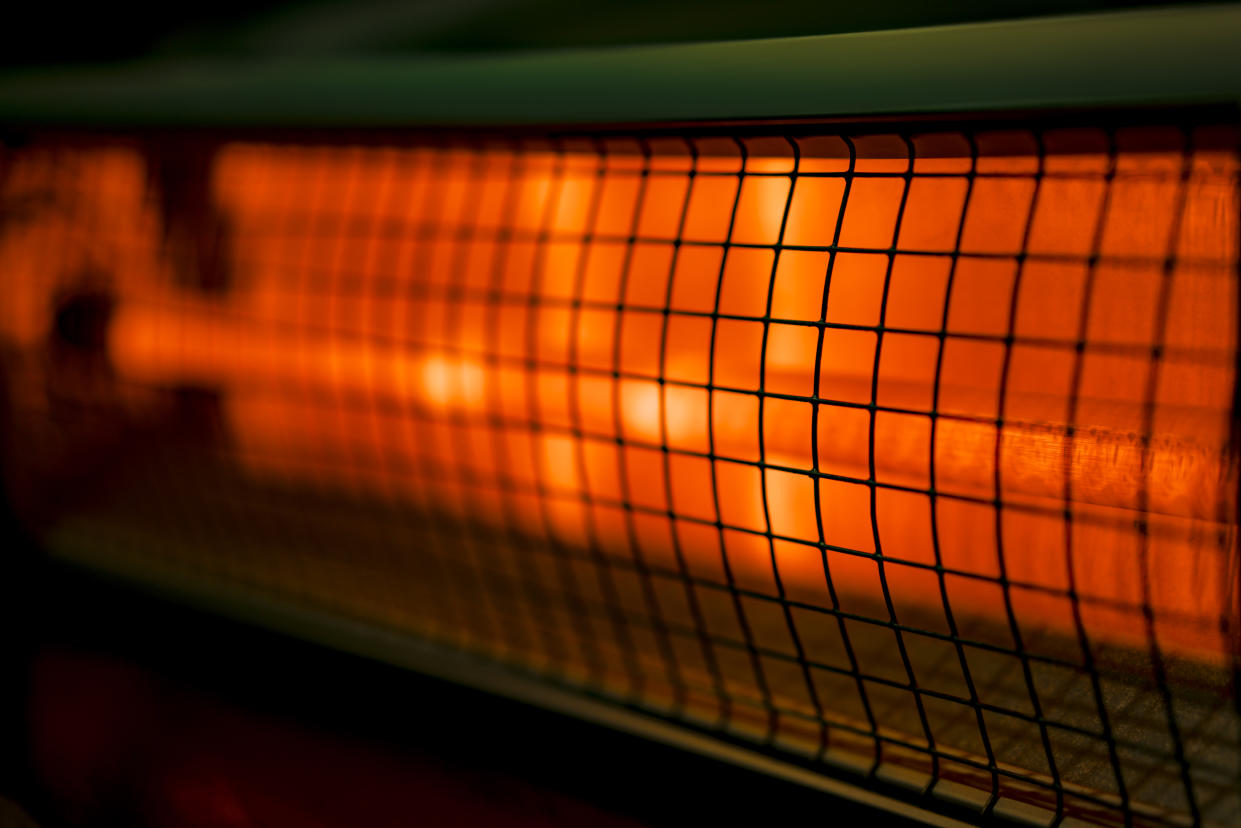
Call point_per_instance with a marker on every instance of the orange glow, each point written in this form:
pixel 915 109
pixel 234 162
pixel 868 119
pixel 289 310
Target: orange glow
pixel 504 359
pixel 962 393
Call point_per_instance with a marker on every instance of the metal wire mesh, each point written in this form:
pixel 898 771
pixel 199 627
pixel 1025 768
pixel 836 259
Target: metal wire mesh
pixel 904 452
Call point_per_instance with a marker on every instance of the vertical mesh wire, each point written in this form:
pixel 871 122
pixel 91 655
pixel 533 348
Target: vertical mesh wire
pixel 906 454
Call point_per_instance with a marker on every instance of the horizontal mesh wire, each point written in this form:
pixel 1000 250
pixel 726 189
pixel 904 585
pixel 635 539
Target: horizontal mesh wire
pixel 908 455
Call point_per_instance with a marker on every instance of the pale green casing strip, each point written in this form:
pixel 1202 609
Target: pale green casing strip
pixel 1161 56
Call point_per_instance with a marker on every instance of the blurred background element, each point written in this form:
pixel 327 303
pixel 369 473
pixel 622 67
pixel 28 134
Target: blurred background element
pixel 38 33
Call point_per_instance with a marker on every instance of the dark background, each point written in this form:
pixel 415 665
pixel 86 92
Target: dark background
pixel 48 32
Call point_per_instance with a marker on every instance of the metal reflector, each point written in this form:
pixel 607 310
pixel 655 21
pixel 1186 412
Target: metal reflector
pixel 907 453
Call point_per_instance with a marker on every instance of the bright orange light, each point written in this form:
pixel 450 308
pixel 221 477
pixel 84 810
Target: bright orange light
pixel 968 393
pixel 522 346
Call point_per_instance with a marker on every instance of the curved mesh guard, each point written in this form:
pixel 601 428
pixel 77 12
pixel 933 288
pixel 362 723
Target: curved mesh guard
pixel 907 453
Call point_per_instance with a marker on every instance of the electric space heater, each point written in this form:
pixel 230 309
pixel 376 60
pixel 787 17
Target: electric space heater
pixel 861 407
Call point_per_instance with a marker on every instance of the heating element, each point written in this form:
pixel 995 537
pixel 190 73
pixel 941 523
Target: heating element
pixel 912 450
pixel 901 451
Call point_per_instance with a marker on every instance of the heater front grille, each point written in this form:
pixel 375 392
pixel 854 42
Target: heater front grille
pixel 904 452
